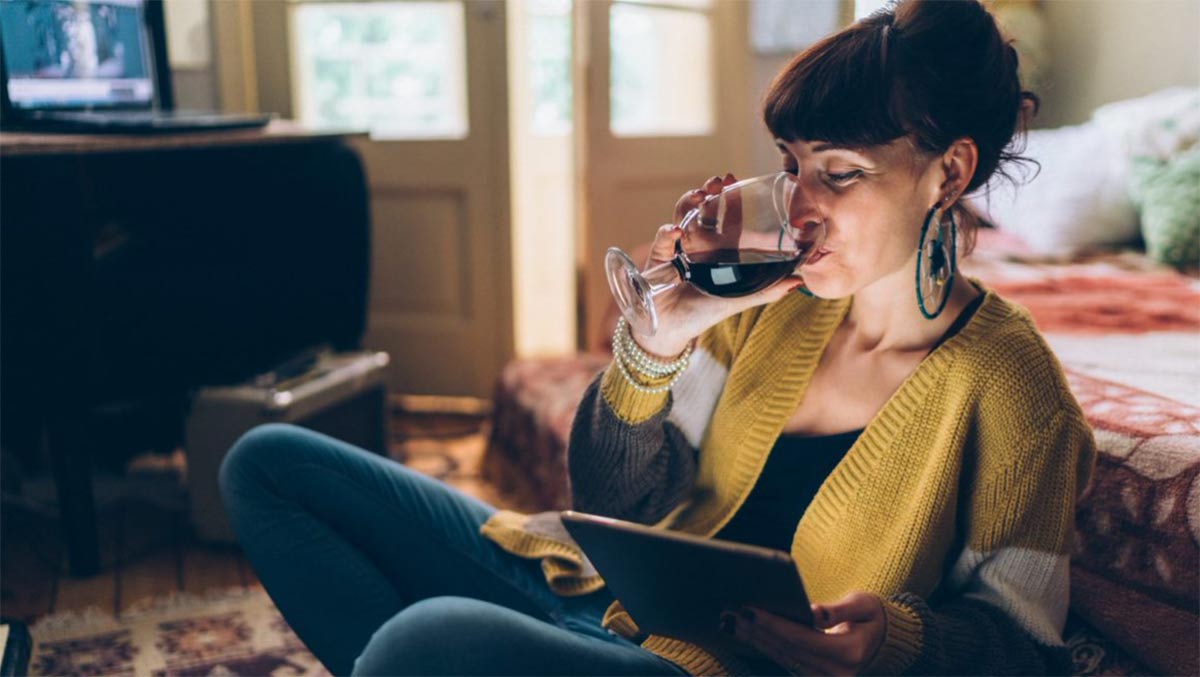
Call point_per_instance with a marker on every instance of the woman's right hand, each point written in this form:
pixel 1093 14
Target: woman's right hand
pixel 685 312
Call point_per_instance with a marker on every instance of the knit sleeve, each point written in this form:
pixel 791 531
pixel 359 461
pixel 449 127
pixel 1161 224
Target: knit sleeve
pixel 1002 607
pixel 628 456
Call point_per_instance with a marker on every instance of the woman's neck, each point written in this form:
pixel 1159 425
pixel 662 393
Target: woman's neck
pixel 884 317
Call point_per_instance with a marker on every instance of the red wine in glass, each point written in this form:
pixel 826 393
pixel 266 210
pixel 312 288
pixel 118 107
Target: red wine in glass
pixel 738 272
pixel 749 236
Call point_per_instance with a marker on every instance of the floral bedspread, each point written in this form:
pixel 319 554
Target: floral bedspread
pixel 1127 332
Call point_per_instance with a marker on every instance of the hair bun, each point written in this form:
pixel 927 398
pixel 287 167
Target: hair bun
pixel 933 70
pixel 936 16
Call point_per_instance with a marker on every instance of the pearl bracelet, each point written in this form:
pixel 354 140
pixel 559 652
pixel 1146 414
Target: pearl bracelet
pixel 639 362
pixel 630 355
pixel 623 340
pixel 647 389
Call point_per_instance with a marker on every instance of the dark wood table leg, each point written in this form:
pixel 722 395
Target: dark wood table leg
pixel 65 282
pixel 71 455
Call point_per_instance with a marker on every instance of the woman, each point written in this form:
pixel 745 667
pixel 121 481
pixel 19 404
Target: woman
pixel 919 459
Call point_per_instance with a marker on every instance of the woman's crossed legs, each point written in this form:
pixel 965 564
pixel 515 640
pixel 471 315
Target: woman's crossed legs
pixel 382 570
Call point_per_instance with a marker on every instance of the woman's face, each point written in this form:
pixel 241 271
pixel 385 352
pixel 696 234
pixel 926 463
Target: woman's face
pixel 873 202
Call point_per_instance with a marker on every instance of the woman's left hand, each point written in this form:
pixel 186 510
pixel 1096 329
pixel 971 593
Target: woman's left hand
pixel 844 638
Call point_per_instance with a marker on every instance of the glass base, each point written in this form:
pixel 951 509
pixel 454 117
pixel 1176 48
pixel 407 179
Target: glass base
pixel 632 292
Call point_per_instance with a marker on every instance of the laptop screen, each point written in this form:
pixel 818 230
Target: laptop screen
pixel 65 54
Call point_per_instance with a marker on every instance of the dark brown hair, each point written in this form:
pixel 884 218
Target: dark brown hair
pixel 932 70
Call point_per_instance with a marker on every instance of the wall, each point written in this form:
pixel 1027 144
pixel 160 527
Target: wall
pixel 1108 50
pixel 1099 51
pixel 189 47
pixel 764 157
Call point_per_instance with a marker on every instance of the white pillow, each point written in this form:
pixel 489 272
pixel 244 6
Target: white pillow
pixel 1079 199
pixel 1142 124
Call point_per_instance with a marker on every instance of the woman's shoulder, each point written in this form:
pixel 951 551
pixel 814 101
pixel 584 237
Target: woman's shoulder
pixel 1002 335
pixel 1013 368
pixel 1021 408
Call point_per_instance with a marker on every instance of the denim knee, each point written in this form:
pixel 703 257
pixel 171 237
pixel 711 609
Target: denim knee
pixel 259 448
pixel 437 636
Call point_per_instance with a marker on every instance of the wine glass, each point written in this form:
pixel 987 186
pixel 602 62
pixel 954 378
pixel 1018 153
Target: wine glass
pixel 735 243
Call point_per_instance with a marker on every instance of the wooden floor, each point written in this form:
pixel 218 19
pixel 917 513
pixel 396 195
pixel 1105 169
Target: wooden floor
pixel 145 551
pixel 148 551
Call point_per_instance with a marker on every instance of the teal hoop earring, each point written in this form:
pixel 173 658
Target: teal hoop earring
pixel 933 288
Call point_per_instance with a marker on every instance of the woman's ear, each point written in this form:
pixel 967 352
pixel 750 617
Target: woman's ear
pixel 958 166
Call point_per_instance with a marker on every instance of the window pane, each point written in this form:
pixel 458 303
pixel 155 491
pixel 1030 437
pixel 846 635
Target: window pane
pixel 695 4
pixel 786 26
pixel 661 72
pixel 549 54
pixel 864 7
pixel 396 68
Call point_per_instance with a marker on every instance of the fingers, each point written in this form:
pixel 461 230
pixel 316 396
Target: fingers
pixel 788 653
pixel 816 644
pixel 664 242
pixel 663 248
pixel 689 201
pixel 693 198
pixel 731 226
pixel 714 186
pixel 745 632
pixel 771 294
pixel 717 183
pixel 856 607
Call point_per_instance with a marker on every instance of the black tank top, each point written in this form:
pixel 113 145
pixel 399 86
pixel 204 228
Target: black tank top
pixel 796 468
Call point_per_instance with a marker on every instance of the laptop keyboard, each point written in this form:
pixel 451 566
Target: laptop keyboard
pixel 149 119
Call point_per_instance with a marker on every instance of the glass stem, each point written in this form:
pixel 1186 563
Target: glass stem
pixel 665 276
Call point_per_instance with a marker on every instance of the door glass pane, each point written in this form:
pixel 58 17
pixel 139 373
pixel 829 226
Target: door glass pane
pixel 395 68
pixel 549 54
pixel 863 8
pixel 695 4
pixel 661 71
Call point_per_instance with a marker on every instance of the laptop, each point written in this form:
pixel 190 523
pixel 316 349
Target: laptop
pixel 676 584
pixel 93 66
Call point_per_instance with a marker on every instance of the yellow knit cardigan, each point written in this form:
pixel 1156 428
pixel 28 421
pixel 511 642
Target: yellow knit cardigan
pixel 964 483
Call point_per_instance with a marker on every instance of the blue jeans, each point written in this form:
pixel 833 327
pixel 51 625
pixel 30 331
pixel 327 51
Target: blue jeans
pixel 382 570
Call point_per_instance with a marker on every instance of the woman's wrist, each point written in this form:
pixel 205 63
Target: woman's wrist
pixel 642 369
pixel 661 350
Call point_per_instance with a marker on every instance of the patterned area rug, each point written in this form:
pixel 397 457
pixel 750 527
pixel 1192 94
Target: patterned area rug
pixel 239 631
pixel 235 631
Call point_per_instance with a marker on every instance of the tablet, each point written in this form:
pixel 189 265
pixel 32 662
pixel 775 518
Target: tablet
pixel 676 584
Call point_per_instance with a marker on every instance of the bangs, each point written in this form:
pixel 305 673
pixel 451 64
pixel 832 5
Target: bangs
pixel 837 91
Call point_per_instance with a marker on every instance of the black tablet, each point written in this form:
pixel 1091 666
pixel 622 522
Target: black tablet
pixel 676 584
